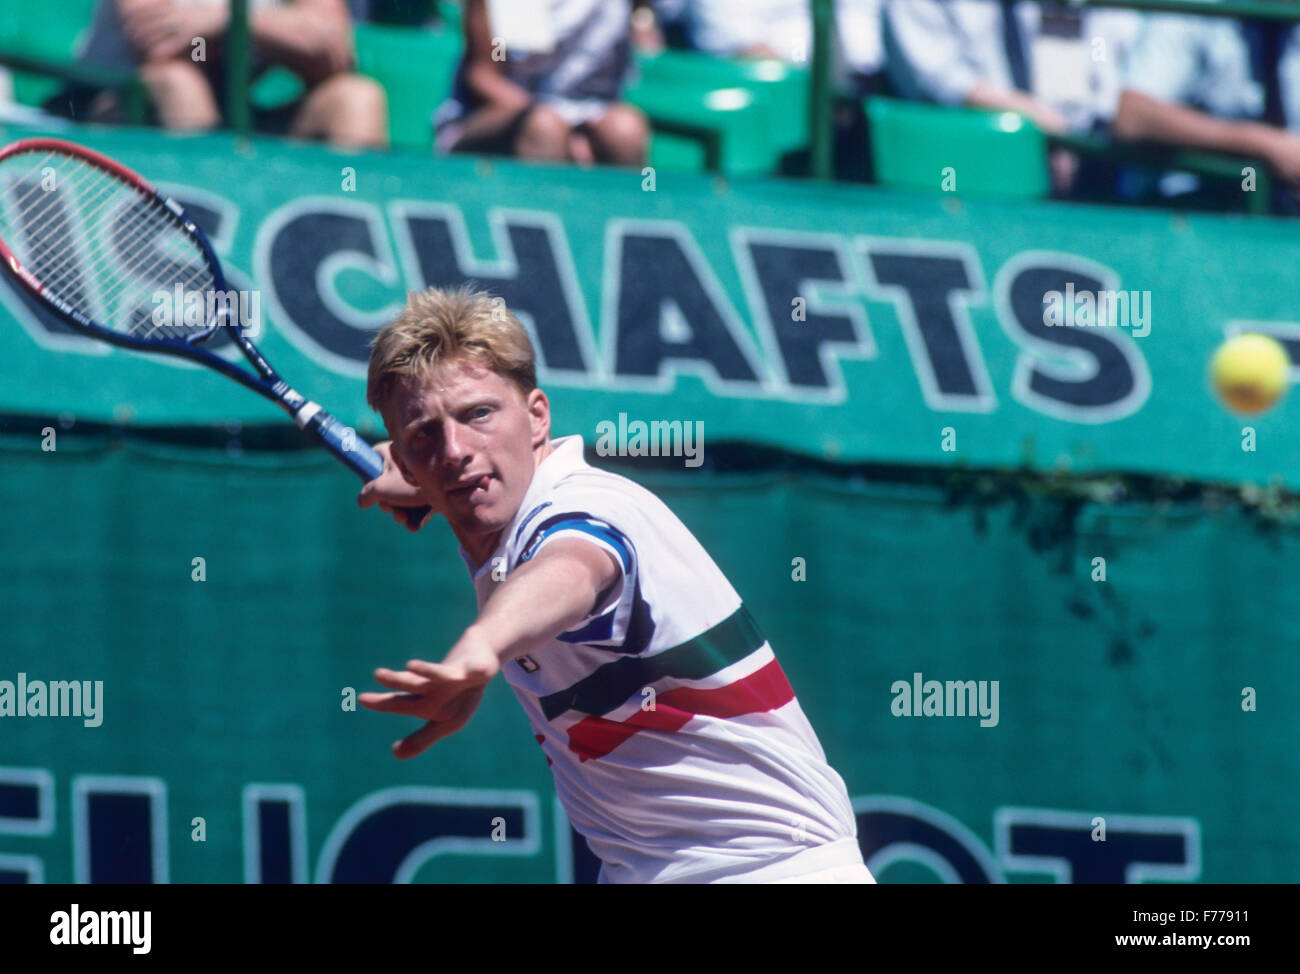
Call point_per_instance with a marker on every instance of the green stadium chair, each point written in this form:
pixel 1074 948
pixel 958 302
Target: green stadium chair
pixel 275 87
pixel 782 86
pixel 708 113
pixel 415 68
pixel 991 153
pixel 697 129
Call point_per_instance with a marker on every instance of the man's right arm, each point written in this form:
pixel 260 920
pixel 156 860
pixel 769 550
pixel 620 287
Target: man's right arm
pixel 313 38
pixel 1143 118
pixel 929 62
pixel 484 76
pixel 1164 73
pixel 924 58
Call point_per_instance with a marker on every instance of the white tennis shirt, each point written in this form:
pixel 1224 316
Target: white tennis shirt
pixel 678 747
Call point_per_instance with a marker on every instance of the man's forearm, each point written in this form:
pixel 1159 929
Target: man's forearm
pixel 994 98
pixel 540 600
pixel 1141 117
pixel 312 42
pixel 491 87
pixel 485 76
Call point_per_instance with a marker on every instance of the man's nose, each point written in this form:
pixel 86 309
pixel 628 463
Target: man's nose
pixel 455 446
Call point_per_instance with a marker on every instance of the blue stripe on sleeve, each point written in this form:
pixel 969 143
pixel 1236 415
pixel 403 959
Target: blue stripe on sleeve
pixel 597 529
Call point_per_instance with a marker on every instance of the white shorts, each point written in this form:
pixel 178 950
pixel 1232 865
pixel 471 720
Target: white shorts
pixel 858 874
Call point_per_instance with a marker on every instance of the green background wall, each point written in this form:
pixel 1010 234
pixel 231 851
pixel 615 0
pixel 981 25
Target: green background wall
pixel 1117 698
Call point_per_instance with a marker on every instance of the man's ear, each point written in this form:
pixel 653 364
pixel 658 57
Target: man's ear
pixel 539 414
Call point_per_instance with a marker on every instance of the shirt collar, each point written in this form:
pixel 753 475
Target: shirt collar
pixel 567 455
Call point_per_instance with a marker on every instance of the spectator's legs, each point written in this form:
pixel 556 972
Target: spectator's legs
pixel 620 136
pixel 530 133
pixel 543 134
pixel 181 94
pixel 347 110
pixel 490 129
pixel 580 150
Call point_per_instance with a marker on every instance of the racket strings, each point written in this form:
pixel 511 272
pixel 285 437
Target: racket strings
pixel 135 237
pixel 131 235
pixel 54 254
pixel 144 222
pixel 48 221
pixel 100 245
pixel 90 203
pixel 91 206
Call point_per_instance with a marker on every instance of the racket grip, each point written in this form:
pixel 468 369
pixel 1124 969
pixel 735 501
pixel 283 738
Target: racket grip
pixel 356 453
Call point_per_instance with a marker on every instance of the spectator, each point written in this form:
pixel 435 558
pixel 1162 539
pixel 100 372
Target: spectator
pixel 1055 64
pixel 783 29
pixel 1222 85
pixel 312 38
pixel 545 83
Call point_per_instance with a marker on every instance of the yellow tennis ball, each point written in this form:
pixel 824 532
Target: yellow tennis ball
pixel 1250 372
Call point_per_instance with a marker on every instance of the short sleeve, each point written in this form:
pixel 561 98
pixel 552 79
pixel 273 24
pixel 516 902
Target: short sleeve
pixel 1163 62
pixel 722 27
pixel 924 56
pixel 622 620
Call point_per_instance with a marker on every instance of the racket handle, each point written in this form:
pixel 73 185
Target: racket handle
pixel 359 455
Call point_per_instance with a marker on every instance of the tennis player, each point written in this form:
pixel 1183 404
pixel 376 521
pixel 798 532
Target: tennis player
pixel 677 745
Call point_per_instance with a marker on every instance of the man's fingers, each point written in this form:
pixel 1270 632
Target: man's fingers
pixel 437 672
pixel 419 741
pixel 410 704
pixel 400 680
pixel 399 501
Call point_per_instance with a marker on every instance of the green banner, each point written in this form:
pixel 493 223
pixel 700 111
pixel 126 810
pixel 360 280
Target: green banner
pixel 839 322
pixel 1136 667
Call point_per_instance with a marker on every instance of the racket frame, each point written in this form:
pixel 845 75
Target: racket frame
pixel 354 451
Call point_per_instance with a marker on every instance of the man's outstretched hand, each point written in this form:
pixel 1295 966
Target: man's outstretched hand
pixel 444 694
pixel 395 494
pixel 551 593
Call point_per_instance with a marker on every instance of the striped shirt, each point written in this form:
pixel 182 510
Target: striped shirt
pixel 1206 63
pixel 586 60
pixel 677 745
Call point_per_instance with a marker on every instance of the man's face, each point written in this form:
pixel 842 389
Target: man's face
pixel 469 439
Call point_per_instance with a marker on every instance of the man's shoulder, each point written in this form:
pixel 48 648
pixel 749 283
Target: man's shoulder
pixel 580 492
pixel 597 493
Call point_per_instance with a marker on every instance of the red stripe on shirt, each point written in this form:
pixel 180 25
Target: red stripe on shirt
pixel 763 690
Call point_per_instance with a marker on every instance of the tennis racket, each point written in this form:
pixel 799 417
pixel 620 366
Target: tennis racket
pixel 111 255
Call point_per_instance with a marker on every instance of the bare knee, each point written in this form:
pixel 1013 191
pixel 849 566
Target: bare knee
pixel 181 94
pixel 348 110
pixel 543 134
pixel 621 136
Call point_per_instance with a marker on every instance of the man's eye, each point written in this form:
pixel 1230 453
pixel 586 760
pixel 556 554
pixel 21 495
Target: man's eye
pixel 481 412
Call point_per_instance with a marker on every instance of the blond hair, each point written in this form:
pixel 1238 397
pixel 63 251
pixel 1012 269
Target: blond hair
pixel 437 327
